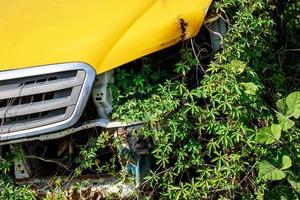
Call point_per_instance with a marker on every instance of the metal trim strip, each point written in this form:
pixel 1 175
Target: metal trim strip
pixel 47 69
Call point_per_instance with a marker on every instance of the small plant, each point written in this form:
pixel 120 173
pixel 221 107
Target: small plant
pixel 282 147
pixel 87 157
pixel 9 191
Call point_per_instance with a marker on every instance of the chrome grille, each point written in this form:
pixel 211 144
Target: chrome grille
pixel 42 99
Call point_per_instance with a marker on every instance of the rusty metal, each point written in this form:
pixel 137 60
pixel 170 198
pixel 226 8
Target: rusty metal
pixel 21 167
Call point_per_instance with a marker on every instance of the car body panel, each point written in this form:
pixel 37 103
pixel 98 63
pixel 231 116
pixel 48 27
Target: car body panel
pixel 104 34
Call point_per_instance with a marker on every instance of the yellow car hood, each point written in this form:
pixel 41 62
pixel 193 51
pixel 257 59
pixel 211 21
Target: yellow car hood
pixel 102 33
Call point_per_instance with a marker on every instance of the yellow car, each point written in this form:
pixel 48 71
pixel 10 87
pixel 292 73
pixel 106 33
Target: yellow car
pixel 52 51
pixel 58 55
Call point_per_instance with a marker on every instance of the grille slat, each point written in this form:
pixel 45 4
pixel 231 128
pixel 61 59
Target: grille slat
pixel 42 99
pixel 27 109
pixel 19 90
pixel 27 124
pixel 42 106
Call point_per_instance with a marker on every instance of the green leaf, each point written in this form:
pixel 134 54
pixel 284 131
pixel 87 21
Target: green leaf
pixel 263 136
pixel 283 198
pixel 250 88
pixel 281 105
pixel 294 183
pixel 269 135
pixel 235 66
pixel 267 171
pixel 276 131
pixel 293 104
pixel 285 122
pixel 286 162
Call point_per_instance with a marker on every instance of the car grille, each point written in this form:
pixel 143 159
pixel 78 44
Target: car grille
pixel 35 101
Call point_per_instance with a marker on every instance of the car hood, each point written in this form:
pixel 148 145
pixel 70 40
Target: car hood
pixel 104 34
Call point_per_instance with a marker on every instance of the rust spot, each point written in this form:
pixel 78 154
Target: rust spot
pixel 183 24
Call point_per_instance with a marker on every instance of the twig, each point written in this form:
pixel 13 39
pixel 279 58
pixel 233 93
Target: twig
pixel 247 174
pixel 195 54
pixel 199 64
pixel 225 20
pixel 49 161
pixel 290 50
pixel 216 33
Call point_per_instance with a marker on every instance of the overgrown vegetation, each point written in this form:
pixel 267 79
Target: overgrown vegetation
pixel 225 138
pixel 231 132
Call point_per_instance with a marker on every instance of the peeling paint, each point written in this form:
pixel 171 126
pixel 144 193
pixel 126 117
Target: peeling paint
pixel 183 26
